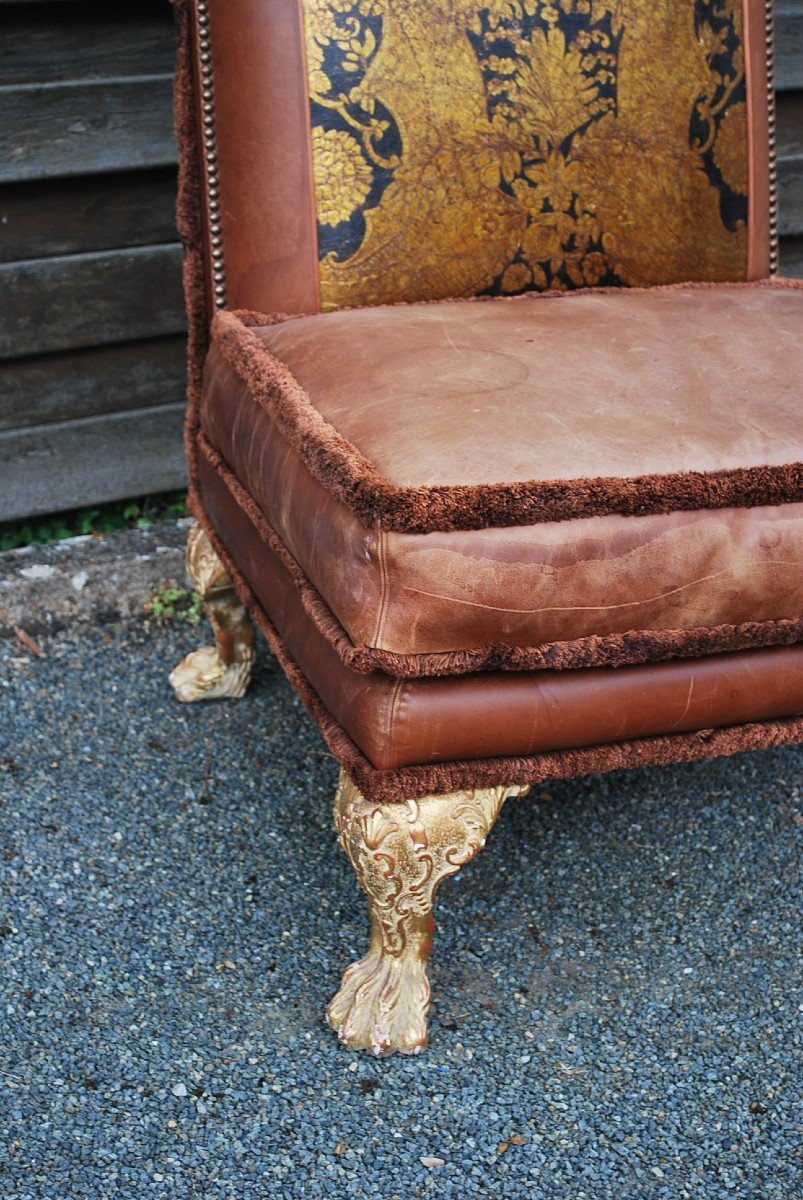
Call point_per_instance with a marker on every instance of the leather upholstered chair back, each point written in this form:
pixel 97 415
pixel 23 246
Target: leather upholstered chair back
pixel 356 152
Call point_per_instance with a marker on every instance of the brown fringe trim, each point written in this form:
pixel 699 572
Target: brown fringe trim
pixel 407 783
pixel 189 220
pixel 612 650
pixel 354 480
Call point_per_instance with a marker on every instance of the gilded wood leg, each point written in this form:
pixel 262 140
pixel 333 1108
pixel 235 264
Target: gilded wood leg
pixel 224 669
pixel 401 853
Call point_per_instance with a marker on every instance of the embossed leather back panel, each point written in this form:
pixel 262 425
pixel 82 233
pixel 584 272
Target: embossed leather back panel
pixel 371 151
pixel 462 147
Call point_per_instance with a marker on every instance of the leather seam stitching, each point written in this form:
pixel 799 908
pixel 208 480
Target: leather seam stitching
pixel 394 696
pixel 383 585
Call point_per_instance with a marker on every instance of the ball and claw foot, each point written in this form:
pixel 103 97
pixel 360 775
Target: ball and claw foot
pixel 382 1005
pixel 202 675
pixel 401 853
pixel 223 670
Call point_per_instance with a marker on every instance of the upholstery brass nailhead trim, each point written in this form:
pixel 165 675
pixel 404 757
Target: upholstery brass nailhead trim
pixel 774 221
pixel 210 153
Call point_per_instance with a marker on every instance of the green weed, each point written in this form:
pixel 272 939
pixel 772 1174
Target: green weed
pixel 171 603
pixel 100 518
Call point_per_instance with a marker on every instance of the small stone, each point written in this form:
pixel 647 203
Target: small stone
pixel 179 1090
pixel 38 571
pixel 432 1162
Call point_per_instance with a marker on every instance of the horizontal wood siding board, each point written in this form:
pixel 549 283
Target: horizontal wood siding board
pixel 790 162
pixel 792 257
pixel 790 127
pixel 84 383
pixel 81 128
pixel 90 299
pixel 55 467
pixel 95 212
pixel 789 46
pixel 82 42
pixel 791 199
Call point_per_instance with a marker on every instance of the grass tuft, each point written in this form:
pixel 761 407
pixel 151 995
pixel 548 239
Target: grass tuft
pixel 98 519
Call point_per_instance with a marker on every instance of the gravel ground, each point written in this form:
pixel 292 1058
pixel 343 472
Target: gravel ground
pixel 614 1013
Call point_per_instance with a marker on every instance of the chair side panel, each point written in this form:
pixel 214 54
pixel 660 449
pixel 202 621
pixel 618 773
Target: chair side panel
pixel 250 86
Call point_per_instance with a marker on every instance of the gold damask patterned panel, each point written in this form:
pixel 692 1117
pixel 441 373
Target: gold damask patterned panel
pixel 463 148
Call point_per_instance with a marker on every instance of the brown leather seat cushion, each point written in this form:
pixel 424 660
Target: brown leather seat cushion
pixel 397 723
pixel 597 478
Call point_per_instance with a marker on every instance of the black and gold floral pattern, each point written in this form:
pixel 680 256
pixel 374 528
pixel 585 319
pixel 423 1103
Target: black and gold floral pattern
pixel 462 148
pixel 718 120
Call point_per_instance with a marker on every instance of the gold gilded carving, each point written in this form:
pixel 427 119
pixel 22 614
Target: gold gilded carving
pixel 223 670
pixel 401 853
pixel 515 144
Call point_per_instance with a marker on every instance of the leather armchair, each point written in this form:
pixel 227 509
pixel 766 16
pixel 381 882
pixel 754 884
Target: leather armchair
pixel 494 409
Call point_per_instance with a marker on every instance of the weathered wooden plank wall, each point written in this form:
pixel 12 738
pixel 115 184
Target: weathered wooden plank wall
pixel 91 312
pixel 91 317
